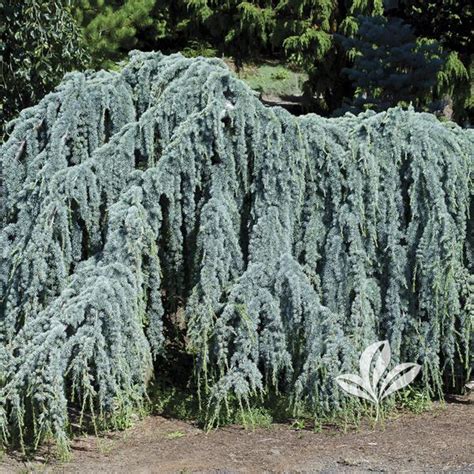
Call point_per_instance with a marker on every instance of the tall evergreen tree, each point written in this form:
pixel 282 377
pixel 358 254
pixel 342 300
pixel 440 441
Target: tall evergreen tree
pixel 39 43
pixel 302 31
pixel 110 27
pixel 451 22
pixel 390 65
pixel 310 41
pixel 239 28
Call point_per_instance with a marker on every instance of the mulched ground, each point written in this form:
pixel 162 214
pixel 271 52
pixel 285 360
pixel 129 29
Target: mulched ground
pixel 441 439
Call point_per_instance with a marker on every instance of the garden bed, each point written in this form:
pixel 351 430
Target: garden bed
pixel 439 439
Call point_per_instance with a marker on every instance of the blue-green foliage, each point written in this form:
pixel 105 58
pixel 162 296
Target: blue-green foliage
pixel 390 65
pixel 290 243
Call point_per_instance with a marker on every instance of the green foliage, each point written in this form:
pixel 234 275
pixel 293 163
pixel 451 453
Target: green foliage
pixel 289 243
pixel 454 81
pixel 299 424
pixel 110 27
pixel 391 66
pixel 240 28
pixel 174 402
pixel 168 400
pixel 414 400
pixel 273 79
pixel 39 43
pixel 256 23
pixel 254 418
pixel 303 32
pixel 450 21
pixel 453 71
pixel 309 41
pixel 196 48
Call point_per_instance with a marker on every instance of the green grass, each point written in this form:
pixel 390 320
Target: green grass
pixel 273 79
pixel 183 404
pixel 254 418
pixel 175 435
pixel 175 403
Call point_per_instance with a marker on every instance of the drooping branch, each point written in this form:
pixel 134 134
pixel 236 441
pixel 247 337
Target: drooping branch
pixel 290 243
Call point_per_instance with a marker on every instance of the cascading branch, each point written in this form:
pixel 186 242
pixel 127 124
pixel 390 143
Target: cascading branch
pixel 291 243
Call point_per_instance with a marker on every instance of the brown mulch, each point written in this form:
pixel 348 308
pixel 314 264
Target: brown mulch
pixel 437 440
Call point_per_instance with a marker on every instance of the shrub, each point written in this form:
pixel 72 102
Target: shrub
pixel 289 243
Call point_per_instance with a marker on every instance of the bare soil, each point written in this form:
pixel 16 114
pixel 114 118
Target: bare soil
pixel 441 439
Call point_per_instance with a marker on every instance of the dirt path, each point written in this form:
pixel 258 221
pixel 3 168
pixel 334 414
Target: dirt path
pixel 442 439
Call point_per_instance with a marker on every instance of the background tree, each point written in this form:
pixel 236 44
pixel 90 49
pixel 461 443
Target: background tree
pixel 451 22
pixel 307 33
pixel 110 27
pixel 39 42
pixel 390 65
pixel 300 33
pixel 242 29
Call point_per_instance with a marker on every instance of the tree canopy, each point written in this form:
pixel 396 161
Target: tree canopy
pixel 303 32
pixel 390 66
pixel 40 42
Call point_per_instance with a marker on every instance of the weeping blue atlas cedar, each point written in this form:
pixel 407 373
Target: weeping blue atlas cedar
pixel 290 244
